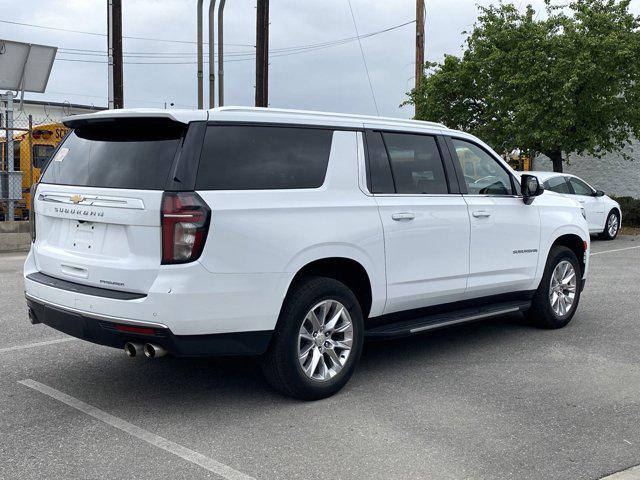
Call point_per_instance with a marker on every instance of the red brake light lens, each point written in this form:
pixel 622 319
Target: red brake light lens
pixel 185 223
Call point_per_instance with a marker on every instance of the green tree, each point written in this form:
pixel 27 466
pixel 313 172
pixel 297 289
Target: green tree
pixel 565 83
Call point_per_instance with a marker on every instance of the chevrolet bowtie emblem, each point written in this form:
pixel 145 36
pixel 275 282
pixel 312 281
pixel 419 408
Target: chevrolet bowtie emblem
pixel 77 198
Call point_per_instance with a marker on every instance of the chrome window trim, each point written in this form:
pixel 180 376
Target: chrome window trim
pixel 418 195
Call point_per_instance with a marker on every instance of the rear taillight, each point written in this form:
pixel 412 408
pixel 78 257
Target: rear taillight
pixel 185 222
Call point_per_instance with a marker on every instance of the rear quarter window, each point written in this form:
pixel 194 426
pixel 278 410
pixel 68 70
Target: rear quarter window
pixel 134 154
pixel 245 157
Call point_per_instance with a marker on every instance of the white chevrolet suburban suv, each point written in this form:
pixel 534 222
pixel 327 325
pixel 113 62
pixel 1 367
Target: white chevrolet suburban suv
pixel 291 235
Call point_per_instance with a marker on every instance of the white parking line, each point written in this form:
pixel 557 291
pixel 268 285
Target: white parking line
pixel 616 250
pixel 185 453
pixel 632 473
pixel 36 344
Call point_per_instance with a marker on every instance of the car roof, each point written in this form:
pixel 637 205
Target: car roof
pixel 266 115
pixel 547 175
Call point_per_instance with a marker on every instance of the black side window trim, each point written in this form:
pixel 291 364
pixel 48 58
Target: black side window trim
pixel 445 159
pixel 366 136
pixel 184 170
pixel 461 181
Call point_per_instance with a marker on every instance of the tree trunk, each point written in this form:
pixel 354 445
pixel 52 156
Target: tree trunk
pixel 556 159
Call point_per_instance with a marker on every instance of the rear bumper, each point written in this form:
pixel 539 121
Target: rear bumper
pixel 105 331
pixel 187 299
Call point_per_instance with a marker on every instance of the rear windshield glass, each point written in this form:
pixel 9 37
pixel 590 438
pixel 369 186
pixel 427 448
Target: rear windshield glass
pixel 263 157
pixel 124 154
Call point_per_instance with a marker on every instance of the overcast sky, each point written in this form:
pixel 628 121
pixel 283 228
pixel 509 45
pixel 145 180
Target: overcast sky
pixel 331 79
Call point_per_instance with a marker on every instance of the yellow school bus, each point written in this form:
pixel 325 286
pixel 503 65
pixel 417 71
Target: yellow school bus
pixel 45 138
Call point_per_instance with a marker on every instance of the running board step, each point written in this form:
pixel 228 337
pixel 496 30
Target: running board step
pixel 440 320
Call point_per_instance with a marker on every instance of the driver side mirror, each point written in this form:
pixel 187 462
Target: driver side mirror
pixel 531 188
pixel 599 193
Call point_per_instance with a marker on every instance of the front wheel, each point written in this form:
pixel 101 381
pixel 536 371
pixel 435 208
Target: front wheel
pixel 557 297
pixel 317 342
pixel 612 227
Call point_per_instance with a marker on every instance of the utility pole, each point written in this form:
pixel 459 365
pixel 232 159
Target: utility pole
pixel 114 52
pixel 419 41
pixel 262 54
pixel 199 50
pixel 212 55
pixel 221 53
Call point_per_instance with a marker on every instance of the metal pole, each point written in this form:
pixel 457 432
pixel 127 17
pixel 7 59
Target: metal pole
pixel 10 203
pixel 265 75
pixel 114 53
pixel 199 41
pixel 260 58
pixel 118 81
pixel 30 135
pixel 220 53
pixel 110 52
pixel 419 41
pixel 212 56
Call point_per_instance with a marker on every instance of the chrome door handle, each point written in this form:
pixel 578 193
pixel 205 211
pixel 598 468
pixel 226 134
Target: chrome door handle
pixel 481 214
pixel 398 217
pixel 582 201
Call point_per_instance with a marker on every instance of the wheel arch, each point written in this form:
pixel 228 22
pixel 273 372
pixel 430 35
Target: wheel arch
pixel 344 269
pixel 573 242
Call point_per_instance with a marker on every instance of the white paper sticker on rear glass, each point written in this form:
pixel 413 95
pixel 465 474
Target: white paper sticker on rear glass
pixel 61 154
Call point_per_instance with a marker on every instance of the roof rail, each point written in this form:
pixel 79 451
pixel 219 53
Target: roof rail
pixel 352 116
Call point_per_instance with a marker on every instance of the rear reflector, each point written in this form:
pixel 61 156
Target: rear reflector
pixel 185 223
pixel 132 329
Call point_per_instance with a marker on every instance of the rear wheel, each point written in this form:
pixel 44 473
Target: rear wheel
pixel 557 297
pixel 317 342
pixel 612 227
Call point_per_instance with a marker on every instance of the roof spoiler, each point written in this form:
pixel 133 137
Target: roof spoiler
pixel 108 116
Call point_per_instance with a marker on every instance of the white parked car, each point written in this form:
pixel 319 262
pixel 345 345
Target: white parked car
pixel 292 235
pixel 603 213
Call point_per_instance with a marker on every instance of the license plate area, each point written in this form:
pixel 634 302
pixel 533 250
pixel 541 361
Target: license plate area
pixel 84 235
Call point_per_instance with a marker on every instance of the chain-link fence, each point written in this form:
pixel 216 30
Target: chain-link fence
pixel 16 166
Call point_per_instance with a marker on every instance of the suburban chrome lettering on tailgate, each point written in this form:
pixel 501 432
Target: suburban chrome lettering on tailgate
pixel 79 211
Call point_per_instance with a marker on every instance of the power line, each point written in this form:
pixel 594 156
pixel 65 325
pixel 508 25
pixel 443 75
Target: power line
pixel 312 46
pixel 236 57
pixel 364 60
pixel 96 34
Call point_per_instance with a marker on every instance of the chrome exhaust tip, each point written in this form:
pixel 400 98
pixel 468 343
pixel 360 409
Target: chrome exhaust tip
pixel 153 351
pixel 132 349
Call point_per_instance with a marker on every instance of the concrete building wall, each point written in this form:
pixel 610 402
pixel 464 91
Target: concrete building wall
pixel 613 174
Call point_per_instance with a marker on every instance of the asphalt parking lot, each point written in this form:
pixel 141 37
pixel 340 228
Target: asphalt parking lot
pixel 491 400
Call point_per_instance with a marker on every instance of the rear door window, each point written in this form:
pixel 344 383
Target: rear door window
pixel 557 184
pixel 248 157
pixel 135 154
pixel 416 163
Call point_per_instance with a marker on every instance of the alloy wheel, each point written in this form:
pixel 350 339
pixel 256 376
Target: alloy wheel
pixel 562 291
pixel 325 340
pixel 612 225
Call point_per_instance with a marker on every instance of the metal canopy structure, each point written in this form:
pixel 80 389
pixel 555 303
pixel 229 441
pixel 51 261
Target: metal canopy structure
pixel 25 66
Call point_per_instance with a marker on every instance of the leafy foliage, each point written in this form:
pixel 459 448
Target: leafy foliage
pixel 565 83
pixel 630 210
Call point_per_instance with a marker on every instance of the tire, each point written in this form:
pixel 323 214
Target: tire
pixel 611 226
pixel 543 313
pixel 282 366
